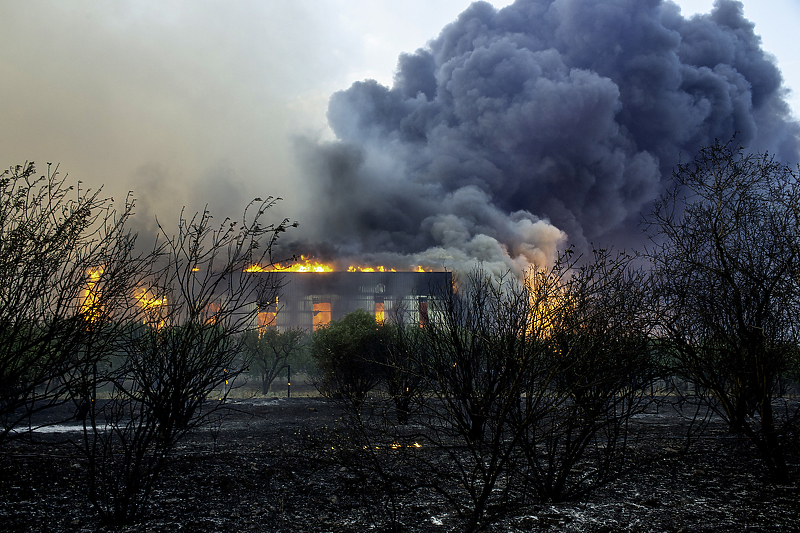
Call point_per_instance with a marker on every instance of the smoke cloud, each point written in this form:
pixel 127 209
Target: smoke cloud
pixel 547 122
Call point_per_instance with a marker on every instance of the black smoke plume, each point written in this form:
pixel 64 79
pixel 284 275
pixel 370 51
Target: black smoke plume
pixel 546 122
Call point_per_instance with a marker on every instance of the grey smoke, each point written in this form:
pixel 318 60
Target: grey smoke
pixel 546 122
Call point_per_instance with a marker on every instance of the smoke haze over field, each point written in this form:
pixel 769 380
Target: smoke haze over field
pixel 511 133
pixel 548 121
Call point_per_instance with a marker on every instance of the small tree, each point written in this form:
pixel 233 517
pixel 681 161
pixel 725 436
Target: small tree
pixel 347 354
pixel 403 368
pixel 597 339
pixel 182 347
pixel 726 255
pixel 482 355
pixel 65 256
pixel 271 352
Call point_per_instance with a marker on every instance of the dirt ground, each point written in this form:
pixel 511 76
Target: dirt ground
pixel 257 472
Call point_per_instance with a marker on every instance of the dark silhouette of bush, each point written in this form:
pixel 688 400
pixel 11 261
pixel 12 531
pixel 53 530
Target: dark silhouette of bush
pixel 726 260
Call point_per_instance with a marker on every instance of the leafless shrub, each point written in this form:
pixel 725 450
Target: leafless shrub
pixel 598 338
pixel 64 257
pixel 524 390
pixel 725 253
pixel 176 356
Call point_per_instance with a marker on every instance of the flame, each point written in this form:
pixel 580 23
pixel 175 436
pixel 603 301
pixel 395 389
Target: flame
pixel 309 264
pixel 210 312
pixel 322 315
pixel 152 305
pixel 146 301
pixel 266 319
pixel 90 306
pixel 306 264
pixel 547 302
pixel 353 268
pixel 381 268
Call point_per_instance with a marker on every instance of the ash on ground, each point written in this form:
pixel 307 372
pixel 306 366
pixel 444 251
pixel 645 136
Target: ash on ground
pixel 257 472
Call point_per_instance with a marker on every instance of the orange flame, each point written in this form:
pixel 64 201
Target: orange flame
pixel 309 264
pixel 90 306
pixel 322 315
pixel 306 264
pixel 370 269
pixel 547 301
pixel 152 306
pixel 146 301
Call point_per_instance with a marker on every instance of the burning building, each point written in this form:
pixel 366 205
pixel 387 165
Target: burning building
pixel 312 299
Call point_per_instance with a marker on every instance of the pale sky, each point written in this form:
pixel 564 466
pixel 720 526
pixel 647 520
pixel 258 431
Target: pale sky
pixel 195 102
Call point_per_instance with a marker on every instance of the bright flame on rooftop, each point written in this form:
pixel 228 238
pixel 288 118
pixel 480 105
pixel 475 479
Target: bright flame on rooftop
pixel 353 268
pixel 305 264
pixel 309 264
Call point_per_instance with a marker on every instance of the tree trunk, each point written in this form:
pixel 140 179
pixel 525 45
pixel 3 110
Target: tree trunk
pixel 771 449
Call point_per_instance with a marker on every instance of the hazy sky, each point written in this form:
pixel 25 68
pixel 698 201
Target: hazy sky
pixel 195 102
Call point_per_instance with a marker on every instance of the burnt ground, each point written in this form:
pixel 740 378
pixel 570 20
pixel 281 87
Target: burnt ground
pixel 260 471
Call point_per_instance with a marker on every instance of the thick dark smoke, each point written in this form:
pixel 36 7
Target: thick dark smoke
pixel 547 122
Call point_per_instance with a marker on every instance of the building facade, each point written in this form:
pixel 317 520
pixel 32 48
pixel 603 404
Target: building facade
pixel 312 299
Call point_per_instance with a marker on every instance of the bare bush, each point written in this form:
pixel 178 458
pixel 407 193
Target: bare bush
pixel 402 369
pixel 598 338
pixel 482 358
pixel 177 355
pixel 524 390
pixel 64 257
pixel 725 254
